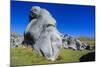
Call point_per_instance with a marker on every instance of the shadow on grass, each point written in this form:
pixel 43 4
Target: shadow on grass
pixel 88 57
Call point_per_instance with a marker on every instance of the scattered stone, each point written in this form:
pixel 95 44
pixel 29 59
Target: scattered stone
pixel 15 40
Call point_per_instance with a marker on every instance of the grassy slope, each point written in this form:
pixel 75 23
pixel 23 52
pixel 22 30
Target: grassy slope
pixel 25 56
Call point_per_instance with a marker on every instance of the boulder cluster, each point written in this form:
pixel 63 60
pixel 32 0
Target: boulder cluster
pixel 15 39
pixel 73 43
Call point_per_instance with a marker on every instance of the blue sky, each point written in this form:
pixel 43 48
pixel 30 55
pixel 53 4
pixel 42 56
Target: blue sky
pixel 76 20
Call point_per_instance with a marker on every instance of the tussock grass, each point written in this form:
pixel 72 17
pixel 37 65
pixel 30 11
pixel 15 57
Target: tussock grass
pixel 25 56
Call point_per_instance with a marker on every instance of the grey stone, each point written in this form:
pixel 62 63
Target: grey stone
pixel 42 34
pixel 15 40
pixel 73 43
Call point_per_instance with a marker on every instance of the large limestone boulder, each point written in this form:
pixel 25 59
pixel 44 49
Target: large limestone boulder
pixel 41 33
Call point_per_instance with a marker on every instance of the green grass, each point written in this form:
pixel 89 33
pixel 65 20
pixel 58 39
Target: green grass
pixel 25 56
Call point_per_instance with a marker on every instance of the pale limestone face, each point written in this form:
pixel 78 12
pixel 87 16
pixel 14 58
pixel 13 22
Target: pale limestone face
pixel 35 11
pixel 73 43
pixel 47 39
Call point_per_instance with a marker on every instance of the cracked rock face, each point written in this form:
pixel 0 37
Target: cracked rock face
pixel 15 40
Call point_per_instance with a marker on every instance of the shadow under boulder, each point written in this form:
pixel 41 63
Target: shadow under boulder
pixel 88 57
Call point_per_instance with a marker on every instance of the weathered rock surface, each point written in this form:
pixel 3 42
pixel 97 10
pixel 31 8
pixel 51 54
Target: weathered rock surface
pixel 73 43
pixel 15 39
